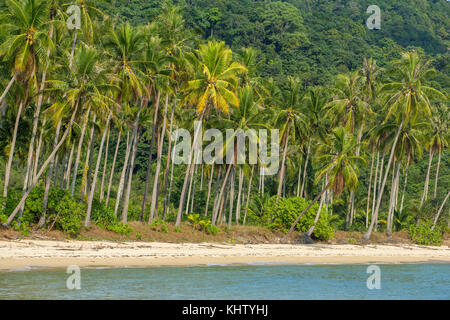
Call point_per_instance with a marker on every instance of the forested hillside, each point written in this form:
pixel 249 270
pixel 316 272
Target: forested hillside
pixel 315 39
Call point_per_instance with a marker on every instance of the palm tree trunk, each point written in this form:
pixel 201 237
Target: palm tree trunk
pixel 380 195
pixel 171 173
pixel 209 189
pixel 186 177
pixel 437 174
pixel 194 181
pixel 124 172
pixel 105 162
pixel 238 204
pixel 299 180
pixel 126 199
pixel 304 211
pixel 283 162
pixel 8 87
pixel 44 166
pixel 135 141
pixel 395 174
pixel 306 166
pixel 90 159
pixel 230 215
pixel 74 42
pixel 111 175
pixel 150 156
pixel 38 149
pixel 368 192
pixel 87 222
pixel 69 167
pixel 380 178
pixel 224 183
pixel 79 150
pixel 405 184
pixel 169 150
pixel 440 210
pixel 154 205
pixel 427 179
pixel 48 180
pixel 11 150
pixel 248 194
pixel 316 219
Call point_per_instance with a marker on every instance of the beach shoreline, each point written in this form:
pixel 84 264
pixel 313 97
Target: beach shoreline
pixel 26 254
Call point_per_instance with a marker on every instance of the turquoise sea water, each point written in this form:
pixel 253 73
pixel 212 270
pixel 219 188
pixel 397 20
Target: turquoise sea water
pixel 254 281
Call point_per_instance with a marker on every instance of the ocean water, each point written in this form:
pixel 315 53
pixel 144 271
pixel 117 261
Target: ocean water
pixel 253 281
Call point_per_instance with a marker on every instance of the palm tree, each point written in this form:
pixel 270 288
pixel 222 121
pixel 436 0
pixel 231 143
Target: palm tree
pixel 213 88
pixel 407 98
pixel 338 163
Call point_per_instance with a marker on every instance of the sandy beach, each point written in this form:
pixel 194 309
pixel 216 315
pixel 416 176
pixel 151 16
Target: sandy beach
pixel 58 254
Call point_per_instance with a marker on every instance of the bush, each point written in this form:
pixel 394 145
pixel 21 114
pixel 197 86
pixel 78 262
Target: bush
pixel 120 228
pixel 203 225
pixel 280 216
pixel 160 225
pixel 423 235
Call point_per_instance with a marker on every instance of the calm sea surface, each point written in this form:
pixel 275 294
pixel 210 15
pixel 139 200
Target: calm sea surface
pixel 268 281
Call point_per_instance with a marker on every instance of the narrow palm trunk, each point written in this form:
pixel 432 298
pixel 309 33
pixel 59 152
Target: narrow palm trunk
pixel 405 184
pixel 230 215
pixel 123 174
pixel 133 156
pixel 69 167
pixel 392 201
pixel 87 222
pixel 169 150
pixel 105 163
pixel 74 42
pixel 8 87
pixel 48 181
pixel 299 180
pixel 427 179
pixel 224 183
pixel 150 156
pixel 305 169
pixel 304 211
pixel 437 174
pixel 44 167
pixel 380 195
pixel 126 199
pixel 368 192
pixel 11 150
pixel 248 194
pixel 440 210
pixel 186 177
pixel 194 182
pixel 38 149
pixel 171 174
pixel 90 159
pixel 209 190
pixel 316 219
pixel 238 204
pixel 79 150
pixel 283 162
pixel 111 175
pixel 154 205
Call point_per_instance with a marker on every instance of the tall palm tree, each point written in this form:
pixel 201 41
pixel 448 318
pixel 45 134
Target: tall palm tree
pixel 212 88
pixel 407 98
pixel 338 163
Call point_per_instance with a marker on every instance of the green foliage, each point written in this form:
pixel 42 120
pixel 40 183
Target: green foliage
pixel 204 225
pixel 280 216
pixel 120 228
pixel 423 235
pixel 160 225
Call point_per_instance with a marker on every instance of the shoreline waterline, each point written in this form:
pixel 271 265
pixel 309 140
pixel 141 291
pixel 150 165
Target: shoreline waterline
pixel 20 254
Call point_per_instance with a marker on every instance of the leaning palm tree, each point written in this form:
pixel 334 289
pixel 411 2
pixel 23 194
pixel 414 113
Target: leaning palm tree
pixel 338 163
pixel 212 88
pixel 407 99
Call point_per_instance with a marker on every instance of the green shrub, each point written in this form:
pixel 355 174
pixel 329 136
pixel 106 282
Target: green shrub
pixel 103 216
pixel 203 225
pixel 120 228
pixel 280 216
pixel 423 235
pixel 160 225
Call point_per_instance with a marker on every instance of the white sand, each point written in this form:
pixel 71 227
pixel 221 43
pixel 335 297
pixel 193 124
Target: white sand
pixel 23 253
